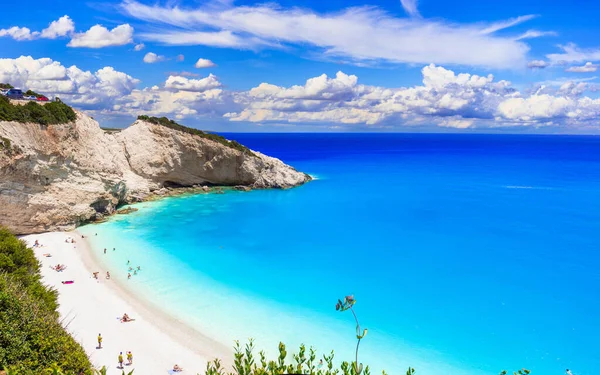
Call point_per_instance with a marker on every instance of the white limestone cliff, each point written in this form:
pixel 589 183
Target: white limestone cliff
pixel 58 176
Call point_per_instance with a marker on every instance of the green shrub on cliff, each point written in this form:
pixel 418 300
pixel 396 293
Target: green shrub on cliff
pixel 49 114
pixel 212 136
pixel 31 336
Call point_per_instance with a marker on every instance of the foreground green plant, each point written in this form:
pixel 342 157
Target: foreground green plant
pixel 348 304
pixel 302 362
pixel 32 339
pixel 523 371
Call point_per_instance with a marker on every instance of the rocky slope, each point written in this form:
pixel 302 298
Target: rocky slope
pixel 56 177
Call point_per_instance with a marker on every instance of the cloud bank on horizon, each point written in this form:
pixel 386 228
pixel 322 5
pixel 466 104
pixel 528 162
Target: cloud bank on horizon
pixel 370 38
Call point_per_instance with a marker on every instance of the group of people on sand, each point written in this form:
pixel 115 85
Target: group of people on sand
pixel 129 355
pixel 129 359
pixel 69 240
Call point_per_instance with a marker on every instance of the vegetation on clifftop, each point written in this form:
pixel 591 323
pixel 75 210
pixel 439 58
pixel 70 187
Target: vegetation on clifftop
pixel 31 336
pixel 48 114
pixel 213 137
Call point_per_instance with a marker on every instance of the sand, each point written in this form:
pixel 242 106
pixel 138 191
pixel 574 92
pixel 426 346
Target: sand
pixel 89 307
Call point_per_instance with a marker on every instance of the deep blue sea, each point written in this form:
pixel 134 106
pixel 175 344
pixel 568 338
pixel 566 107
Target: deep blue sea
pixel 467 254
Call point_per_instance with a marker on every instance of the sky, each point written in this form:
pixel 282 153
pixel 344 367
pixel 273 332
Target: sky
pixel 516 66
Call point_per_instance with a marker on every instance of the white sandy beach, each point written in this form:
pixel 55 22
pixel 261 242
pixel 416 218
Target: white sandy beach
pixel 90 306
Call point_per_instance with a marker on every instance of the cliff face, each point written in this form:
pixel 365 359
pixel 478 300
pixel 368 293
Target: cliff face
pixel 56 177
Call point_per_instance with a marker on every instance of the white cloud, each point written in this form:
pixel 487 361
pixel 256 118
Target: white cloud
pixel 19 33
pixel 204 63
pixel 456 122
pixel 61 27
pixel 587 68
pixel 359 34
pixel 179 83
pixel 444 99
pixel 530 34
pixel 497 26
pixel 99 37
pixel 573 54
pixel 151 58
pixel 83 89
pixel 537 64
pixel 139 47
pixel 410 7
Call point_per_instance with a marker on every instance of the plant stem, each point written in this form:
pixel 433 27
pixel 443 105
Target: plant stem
pixel 357 336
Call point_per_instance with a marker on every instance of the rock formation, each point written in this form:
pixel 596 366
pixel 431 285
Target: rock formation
pixel 58 176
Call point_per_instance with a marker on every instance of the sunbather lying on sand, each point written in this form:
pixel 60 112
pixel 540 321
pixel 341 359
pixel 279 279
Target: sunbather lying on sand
pixel 59 267
pixel 96 275
pixel 47 255
pixel 126 318
pixel 176 368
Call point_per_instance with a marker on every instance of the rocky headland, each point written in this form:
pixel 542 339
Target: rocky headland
pixel 55 177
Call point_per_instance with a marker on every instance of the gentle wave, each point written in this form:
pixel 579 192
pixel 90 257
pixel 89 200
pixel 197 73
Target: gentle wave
pixel 528 187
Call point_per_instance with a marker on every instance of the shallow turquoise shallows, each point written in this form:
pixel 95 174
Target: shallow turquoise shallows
pixel 467 254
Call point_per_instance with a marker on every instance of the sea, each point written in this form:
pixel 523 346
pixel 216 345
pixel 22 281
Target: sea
pixel 466 253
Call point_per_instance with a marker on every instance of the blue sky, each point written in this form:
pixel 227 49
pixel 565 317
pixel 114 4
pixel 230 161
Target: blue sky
pixel 406 65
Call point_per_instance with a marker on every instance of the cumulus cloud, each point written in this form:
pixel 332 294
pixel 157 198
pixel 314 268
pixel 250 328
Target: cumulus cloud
pixel 81 88
pixel 573 54
pixel 19 33
pixel 204 63
pixel 99 36
pixel 179 83
pixel 537 64
pixel 444 98
pixel 61 27
pixel 139 47
pixel 358 34
pixel 587 68
pixel 151 58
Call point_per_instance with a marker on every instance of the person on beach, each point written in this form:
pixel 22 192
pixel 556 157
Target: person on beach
pixel 129 358
pixel 99 341
pixel 176 368
pixel 120 359
pixel 126 318
pixel 128 276
pixel 36 244
pixel 96 275
pixel 107 275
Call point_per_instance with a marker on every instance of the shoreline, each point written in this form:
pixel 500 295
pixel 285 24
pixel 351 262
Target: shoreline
pixel 90 306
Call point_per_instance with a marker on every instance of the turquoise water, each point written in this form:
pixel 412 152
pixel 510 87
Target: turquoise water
pixel 468 254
